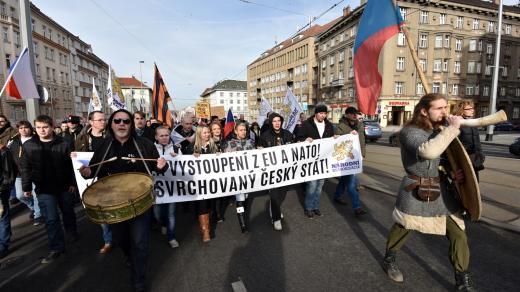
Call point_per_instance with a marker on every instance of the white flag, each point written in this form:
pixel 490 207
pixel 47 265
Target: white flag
pixel 290 111
pixel 45 94
pixel 265 108
pixel 95 102
pixel 113 99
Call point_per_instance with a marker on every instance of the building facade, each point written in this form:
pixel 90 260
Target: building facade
pixel 456 45
pixel 137 94
pixel 230 94
pixel 289 65
pixel 64 65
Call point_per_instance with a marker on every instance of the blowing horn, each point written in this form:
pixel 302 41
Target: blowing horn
pixel 493 119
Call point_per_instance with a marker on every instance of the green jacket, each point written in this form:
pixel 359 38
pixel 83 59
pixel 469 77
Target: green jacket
pixel 344 128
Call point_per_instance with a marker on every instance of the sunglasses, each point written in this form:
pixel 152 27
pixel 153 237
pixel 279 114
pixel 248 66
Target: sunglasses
pixel 125 121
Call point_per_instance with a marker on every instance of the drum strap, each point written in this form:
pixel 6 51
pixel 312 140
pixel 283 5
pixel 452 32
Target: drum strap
pixel 102 159
pixel 141 154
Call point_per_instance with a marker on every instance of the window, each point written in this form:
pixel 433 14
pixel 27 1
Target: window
pixel 231 94
pixel 399 87
pixel 437 65
pixel 502 91
pixel 420 89
pixel 323 63
pixel 516 112
pixel 485 91
pixel 460 22
pixel 8 60
pixel 221 101
pixel 423 40
pixel 38 69
pixel 477 89
pixel 445 65
pixel 472 45
pixel 403 12
pixel 518 72
pixel 488 70
pixel 401 40
pixel 423 64
pixel 504 71
pixel 479 68
pixel 331 77
pixel 491 26
pixel 508 29
pixel 471 67
pixel 350 92
pixel 221 94
pixel 238 108
pixel 436 87
pixel 400 64
pixel 341 56
pixel 456 67
pixel 489 49
pixel 517 92
pixel 469 90
pixel 438 41
pixel 455 89
pixel 458 45
pixel 479 46
pixel 230 101
pixel 446 40
pixel 475 24
pixel 331 60
pixel 424 17
pixel 442 18
pixel 5 34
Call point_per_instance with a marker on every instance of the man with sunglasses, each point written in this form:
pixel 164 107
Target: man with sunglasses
pixel 133 235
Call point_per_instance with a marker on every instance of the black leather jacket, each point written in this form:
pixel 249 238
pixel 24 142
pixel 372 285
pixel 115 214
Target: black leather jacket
pixel 8 168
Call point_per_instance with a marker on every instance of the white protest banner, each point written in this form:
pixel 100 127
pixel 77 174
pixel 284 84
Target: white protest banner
pixel 211 175
pixel 290 111
pixel 79 159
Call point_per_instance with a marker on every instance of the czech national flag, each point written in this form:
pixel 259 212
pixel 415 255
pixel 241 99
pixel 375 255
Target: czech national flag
pixel 20 82
pixel 230 124
pixel 380 21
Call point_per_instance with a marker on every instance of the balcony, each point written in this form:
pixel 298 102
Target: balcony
pixel 337 82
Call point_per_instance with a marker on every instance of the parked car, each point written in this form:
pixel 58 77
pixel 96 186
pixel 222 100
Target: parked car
pixel 515 147
pixel 504 126
pixel 394 139
pixel 372 130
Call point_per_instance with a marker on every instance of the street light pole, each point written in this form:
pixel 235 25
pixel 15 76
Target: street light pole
pixel 31 104
pixel 141 85
pixel 494 87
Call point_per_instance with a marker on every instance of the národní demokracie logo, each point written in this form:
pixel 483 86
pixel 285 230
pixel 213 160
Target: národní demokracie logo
pixel 286 112
pixel 343 150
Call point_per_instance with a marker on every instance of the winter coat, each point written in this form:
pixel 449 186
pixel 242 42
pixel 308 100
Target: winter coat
pixel 270 138
pixel 8 168
pixel 344 127
pixel 84 140
pixel 7 133
pixel 309 130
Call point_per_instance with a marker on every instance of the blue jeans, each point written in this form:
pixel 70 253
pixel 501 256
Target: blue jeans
pixel 49 205
pixel 313 192
pixel 133 236
pixel 5 221
pixel 165 215
pixel 107 233
pixel 350 182
pixel 31 202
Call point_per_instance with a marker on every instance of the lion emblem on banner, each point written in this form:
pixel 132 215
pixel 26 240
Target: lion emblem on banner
pixel 343 150
pixel 286 112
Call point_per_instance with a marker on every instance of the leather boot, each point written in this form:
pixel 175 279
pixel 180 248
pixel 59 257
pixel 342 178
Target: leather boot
pixel 241 216
pixel 463 282
pixel 391 268
pixel 204 227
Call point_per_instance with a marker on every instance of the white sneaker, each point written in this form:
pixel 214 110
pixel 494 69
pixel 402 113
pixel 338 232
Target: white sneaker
pixel 277 225
pixel 174 243
pixel 163 230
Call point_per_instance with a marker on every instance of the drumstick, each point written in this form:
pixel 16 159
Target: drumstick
pixel 135 158
pixel 108 160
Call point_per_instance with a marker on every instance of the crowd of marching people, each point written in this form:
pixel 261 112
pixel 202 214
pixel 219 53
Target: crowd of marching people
pixel 37 169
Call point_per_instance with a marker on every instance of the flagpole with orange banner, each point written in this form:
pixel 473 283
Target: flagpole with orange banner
pixel 160 99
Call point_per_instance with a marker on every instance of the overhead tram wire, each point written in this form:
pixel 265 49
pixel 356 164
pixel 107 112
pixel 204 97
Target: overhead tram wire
pixel 272 7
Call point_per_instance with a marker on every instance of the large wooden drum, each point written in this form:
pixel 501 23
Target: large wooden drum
pixel 119 197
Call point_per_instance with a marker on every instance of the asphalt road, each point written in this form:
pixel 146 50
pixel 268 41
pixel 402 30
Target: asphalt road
pixel 336 252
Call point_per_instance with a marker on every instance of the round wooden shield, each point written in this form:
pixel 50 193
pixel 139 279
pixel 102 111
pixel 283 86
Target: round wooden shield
pixel 468 190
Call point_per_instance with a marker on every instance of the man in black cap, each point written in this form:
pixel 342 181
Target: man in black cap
pixel 75 127
pixel 349 124
pixel 315 127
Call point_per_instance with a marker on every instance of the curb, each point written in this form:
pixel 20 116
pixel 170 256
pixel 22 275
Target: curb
pixel 494 144
pixel 485 220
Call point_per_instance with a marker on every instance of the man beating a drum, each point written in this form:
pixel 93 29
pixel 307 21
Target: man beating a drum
pixel 132 235
pixel 424 202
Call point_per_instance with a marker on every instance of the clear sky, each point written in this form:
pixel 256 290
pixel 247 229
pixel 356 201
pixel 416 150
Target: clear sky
pixel 194 43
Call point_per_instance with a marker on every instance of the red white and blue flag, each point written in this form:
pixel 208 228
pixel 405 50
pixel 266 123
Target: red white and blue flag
pixel 20 82
pixel 230 123
pixel 380 21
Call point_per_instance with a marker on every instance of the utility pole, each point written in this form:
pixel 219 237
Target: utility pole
pixel 32 104
pixel 494 87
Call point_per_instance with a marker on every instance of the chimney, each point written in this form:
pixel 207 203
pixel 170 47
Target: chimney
pixel 346 11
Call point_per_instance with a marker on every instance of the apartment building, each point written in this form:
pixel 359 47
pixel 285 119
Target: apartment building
pixel 137 94
pixel 456 45
pixel 230 94
pixel 290 64
pixel 64 64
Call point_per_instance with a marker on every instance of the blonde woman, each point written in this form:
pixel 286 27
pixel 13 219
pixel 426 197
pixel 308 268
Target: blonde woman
pixel 240 143
pixel 469 136
pixel 204 144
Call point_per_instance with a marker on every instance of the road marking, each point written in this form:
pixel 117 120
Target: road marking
pixel 238 286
